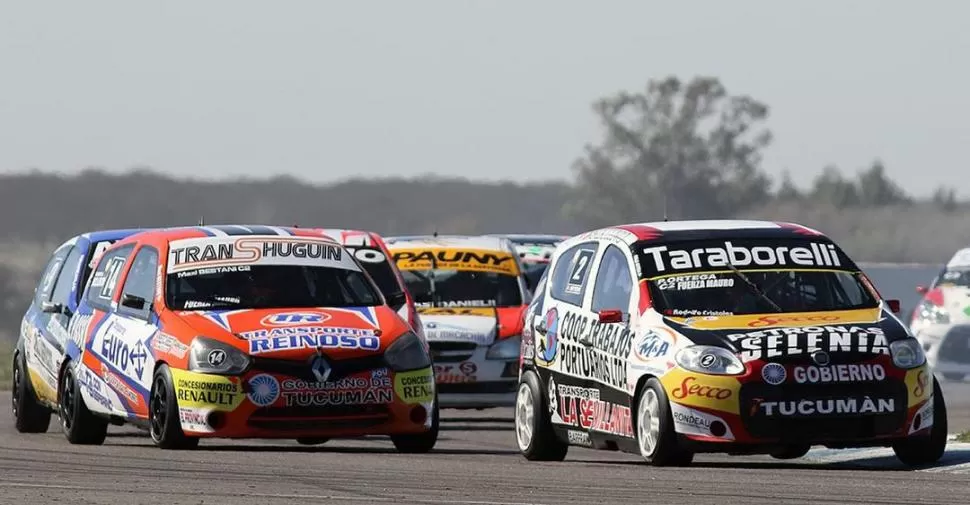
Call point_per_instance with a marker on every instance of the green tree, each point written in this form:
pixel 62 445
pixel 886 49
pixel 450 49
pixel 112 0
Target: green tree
pixel 690 148
pixel 787 190
pixel 876 189
pixel 830 186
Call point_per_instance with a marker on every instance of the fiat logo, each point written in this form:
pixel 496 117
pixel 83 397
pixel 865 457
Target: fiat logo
pixel 821 358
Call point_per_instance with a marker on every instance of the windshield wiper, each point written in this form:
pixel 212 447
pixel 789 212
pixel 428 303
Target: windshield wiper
pixel 755 288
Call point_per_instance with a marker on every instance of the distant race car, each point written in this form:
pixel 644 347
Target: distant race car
pixel 672 338
pixel 44 341
pixel 471 294
pixel 534 252
pixel 941 321
pixel 372 253
pixel 242 332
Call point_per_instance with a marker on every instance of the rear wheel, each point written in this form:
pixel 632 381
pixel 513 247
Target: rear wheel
pixel 163 414
pixel 655 428
pixel 918 451
pixel 419 442
pixel 28 414
pixel 533 430
pixel 80 425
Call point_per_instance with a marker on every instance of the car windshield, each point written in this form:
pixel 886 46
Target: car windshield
pixel 383 275
pixel 955 277
pixel 709 278
pixel 462 288
pixel 261 273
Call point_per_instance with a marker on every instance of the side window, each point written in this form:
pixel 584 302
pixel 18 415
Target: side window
pixel 614 282
pixel 140 282
pixel 65 281
pixel 46 285
pixel 539 299
pixel 571 271
pixel 104 280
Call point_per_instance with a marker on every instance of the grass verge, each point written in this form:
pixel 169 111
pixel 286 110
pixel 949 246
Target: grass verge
pixel 6 354
pixel 963 437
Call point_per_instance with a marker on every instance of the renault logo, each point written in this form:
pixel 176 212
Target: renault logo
pixel 320 368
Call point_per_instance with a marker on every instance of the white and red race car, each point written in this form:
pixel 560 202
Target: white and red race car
pixel 941 321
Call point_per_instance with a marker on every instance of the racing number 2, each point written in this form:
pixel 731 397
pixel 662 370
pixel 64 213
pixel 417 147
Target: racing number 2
pixel 583 258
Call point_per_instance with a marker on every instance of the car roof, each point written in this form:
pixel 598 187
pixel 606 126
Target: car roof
pixel 528 238
pixel 103 235
pixel 698 229
pixel 449 241
pixel 961 259
pixel 224 230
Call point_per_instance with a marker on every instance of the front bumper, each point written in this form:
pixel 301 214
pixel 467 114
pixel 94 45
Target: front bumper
pixel 269 404
pixel 466 379
pixel 710 412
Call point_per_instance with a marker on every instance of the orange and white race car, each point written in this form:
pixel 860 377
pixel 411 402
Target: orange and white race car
pixel 471 294
pixel 243 332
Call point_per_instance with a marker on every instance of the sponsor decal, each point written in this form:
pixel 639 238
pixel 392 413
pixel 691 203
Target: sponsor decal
pixel 613 339
pixel 923 418
pixel 477 310
pixel 718 392
pixel 193 419
pixel 718 255
pixel 583 407
pixel 652 346
pixel 311 337
pixel 547 345
pixel 455 333
pixel 264 390
pixel 455 374
pixel 838 373
pixel 690 387
pixel 774 374
pixel 213 252
pixel 295 319
pixel 210 271
pixel 823 407
pixel 94 386
pixel 920 385
pixel 554 399
pixel 478 260
pixel 118 384
pixel 795 320
pixel 777 342
pixel 581 361
pixel 578 438
pixel 415 387
pixel 719 320
pixel 365 388
pixel 78 328
pixel 578 270
pixel 692 282
pixel 163 342
pixel 694 422
pixel 127 356
pixel 202 390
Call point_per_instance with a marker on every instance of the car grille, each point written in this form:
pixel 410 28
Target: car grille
pixel 300 369
pixel 452 352
pixel 821 427
pixel 956 345
pixel 472 388
pixel 310 418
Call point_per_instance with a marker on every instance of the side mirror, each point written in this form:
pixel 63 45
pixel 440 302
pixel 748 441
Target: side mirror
pixel 133 302
pixel 51 308
pixel 607 316
pixel 922 290
pixel 893 306
pixel 396 300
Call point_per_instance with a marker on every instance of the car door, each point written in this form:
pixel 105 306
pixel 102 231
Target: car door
pixel 562 340
pixel 612 305
pixel 124 342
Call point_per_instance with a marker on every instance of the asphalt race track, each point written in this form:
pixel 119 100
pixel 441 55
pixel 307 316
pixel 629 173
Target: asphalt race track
pixel 475 462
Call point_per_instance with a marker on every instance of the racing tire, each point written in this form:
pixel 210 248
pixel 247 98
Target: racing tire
pixel 919 451
pixel 163 414
pixel 419 443
pixel 534 435
pixel 311 441
pixel 791 451
pixel 655 434
pixel 28 414
pixel 80 425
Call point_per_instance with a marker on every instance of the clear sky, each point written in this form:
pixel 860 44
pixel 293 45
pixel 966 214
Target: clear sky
pixel 327 90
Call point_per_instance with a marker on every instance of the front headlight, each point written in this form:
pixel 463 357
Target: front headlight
pixel 208 355
pixel 407 353
pixel 709 360
pixel 506 349
pixel 907 353
pixel 932 314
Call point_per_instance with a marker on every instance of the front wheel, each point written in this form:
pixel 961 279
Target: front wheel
pixel 28 414
pixel 420 442
pixel 79 424
pixel 791 451
pixel 163 414
pixel 533 430
pixel 926 450
pixel 655 428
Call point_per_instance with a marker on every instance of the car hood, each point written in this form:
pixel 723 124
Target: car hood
pixel 470 325
pixel 852 334
pixel 297 333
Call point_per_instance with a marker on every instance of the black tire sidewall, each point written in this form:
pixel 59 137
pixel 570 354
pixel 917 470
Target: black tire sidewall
pixel 531 380
pixel 171 430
